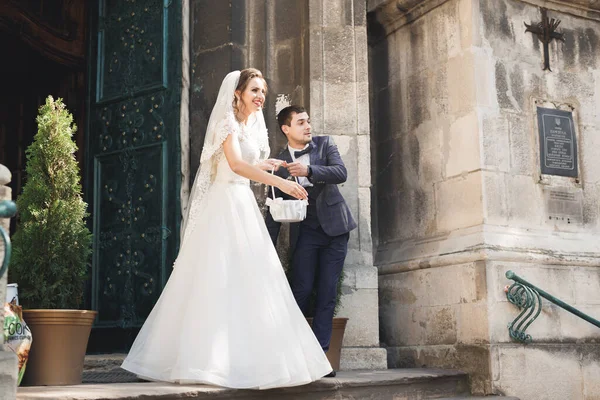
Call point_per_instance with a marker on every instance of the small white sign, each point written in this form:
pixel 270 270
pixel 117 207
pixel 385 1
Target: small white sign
pixel 12 293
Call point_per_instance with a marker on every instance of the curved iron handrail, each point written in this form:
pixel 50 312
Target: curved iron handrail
pixel 528 297
pixel 8 209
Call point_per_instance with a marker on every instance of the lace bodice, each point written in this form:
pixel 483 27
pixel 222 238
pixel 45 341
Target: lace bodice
pixel 251 151
pixel 214 168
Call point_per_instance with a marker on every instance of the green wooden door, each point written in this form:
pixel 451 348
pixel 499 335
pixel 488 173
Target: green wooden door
pixel 133 155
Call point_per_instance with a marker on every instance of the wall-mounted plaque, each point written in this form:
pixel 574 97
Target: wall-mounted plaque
pixel 563 205
pixel 558 147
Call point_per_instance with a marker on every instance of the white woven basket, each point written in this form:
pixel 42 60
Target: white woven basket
pixel 286 210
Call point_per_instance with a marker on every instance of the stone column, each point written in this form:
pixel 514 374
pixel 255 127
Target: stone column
pixel 461 198
pixel 339 107
pixel 8 359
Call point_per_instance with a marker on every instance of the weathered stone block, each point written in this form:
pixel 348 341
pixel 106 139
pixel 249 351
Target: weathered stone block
pixel 443 33
pixel 461 85
pixel 287 13
pixel 338 99
pixel 440 325
pixel 547 326
pixel 494 198
pixel 495 142
pixel 364 160
pixel 591 207
pixel 472 323
pixel 362 103
pixel 455 284
pixel 462 146
pixel 418 91
pixel 8 375
pixel 590 143
pixel 509 87
pixel 361 277
pixel 337 13
pixel 419 148
pixel 591 372
pixel 472 359
pixel 484 75
pixel 287 66
pixel 404 326
pixel 406 289
pixel 317 110
pixel 586 281
pixel 519 370
pixel 555 280
pixel 210 29
pixel 573 328
pixel 364 221
pixel 459 202
pixel 416 213
pixel 356 358
pixel 417 51
pixel 361 308
pixel 360 13
pixel 339 55
pixel 396 55
pixel 524 199
pixel 439 102
pixel 522 150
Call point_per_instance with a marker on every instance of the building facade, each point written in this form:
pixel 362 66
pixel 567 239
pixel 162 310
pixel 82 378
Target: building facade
pixel 438 108
pixel 470 183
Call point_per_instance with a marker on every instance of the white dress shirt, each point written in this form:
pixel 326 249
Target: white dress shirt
pixel 304 160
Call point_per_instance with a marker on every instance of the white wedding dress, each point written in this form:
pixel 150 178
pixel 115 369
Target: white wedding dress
pixel 227 316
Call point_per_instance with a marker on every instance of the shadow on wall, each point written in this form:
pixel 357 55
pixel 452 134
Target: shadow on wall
pixel 379 104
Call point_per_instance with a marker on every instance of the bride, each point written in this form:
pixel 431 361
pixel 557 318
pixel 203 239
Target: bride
pixel 227 316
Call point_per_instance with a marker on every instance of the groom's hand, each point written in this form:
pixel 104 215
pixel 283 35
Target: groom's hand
pixel 297 169
pixel 270 164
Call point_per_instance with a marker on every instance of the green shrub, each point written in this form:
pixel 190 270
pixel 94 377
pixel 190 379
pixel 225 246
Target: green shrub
pixel 52 244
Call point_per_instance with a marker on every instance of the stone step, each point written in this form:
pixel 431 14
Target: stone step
pixel 104 379
pixel 479 398
pixel 106 368
pixel 407 384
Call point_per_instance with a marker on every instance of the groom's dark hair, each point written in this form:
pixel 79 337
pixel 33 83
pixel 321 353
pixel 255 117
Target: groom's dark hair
pixel 286 115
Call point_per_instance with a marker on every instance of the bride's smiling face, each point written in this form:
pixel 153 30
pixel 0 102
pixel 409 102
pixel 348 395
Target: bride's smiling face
pixel 252 98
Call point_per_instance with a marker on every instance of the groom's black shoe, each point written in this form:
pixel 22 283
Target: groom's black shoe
pixel 330 375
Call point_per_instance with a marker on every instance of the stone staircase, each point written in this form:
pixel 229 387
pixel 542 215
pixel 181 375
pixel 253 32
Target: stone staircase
pixel 103 379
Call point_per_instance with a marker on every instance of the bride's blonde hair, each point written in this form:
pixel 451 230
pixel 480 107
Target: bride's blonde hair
pixel 246 75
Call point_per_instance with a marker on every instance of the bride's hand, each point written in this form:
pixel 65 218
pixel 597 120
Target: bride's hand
pixel 293 189
pixel 270 164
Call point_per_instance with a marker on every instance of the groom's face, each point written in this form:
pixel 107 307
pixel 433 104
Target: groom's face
pixel 299 131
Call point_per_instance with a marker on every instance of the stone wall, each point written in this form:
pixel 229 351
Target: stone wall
pixel 8 359
pixel 461 198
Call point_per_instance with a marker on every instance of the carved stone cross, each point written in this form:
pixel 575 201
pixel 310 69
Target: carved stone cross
pixel 546 31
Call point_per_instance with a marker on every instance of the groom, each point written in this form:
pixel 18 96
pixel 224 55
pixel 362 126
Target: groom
pixel 320 242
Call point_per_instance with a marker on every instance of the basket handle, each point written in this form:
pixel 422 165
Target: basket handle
pixel 273 187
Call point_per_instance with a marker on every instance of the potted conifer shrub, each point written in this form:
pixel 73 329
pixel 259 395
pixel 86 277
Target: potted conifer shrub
pixel 51 248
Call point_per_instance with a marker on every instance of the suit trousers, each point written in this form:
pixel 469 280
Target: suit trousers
pixel 317 263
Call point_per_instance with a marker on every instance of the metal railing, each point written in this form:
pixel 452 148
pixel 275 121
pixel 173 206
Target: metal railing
pixel 8 209
pixel 528 298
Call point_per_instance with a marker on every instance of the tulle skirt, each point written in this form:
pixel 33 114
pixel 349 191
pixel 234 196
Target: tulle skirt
pixel 227 316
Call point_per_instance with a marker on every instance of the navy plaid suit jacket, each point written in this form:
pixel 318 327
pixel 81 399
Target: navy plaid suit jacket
pixel 328 170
